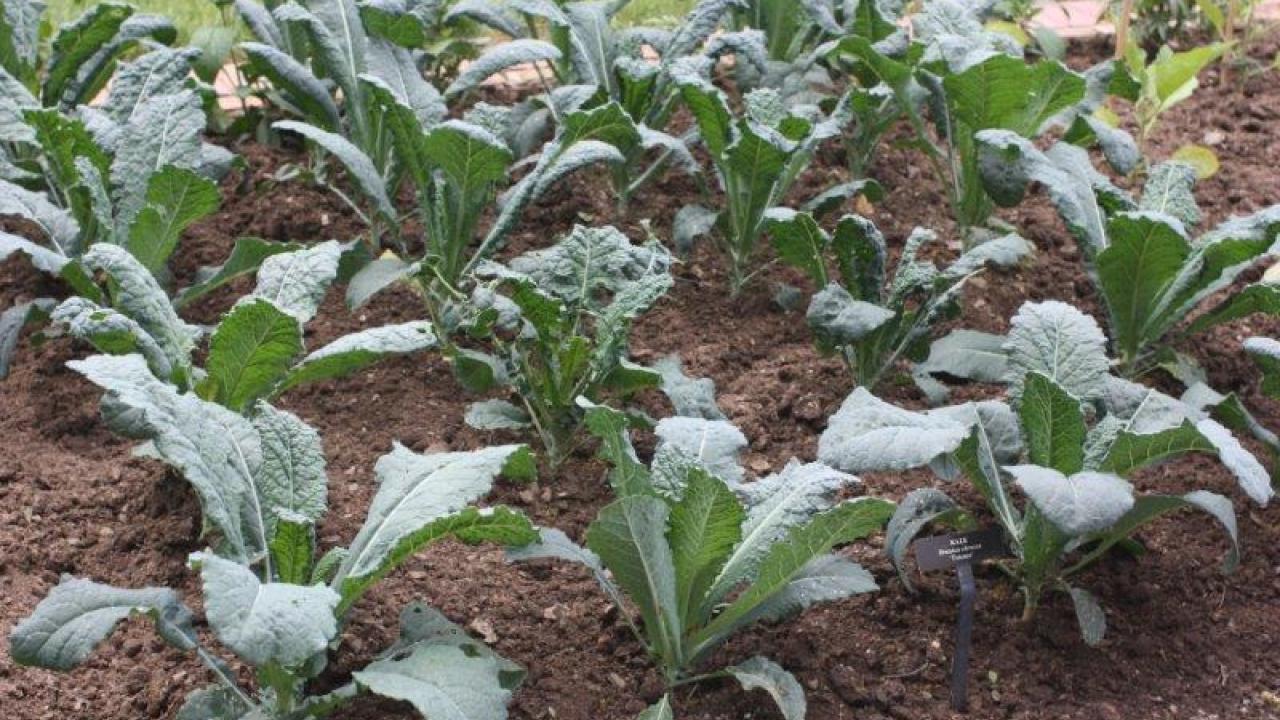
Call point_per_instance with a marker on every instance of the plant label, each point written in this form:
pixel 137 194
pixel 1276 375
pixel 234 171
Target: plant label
pixel 961 551
pixel 942 552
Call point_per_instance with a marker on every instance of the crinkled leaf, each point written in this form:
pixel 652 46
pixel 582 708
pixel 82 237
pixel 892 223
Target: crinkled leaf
pixel 358 350
pixel 1077 504
pixel 759 673
pixel 422 498
pixel 691 397
pixel 79 614
pixel 296 282
pixel 250 352
pixel 1060 342
pixel 360 168
pixel 216 450
pixel 264 623
pixel 867 433
pixel 501 57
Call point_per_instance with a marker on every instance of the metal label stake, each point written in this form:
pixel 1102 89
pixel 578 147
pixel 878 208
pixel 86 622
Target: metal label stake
pixel 961 551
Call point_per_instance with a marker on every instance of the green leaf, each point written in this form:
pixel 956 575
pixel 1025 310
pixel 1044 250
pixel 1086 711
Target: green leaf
pixel 359 167
pixel 297 281
pixel 1131 451
pixel 787 558
pixel 265 623
pixel 1203 161
pixel 175 199
pixel 1053 424
pixel 867 433
pixel 799 242
pixel 1061 343
pixel 1078 504
pixel 1090 616
pixel 1007 92
pixel 422 498
pixel 1256 298
pixel 75 43
pixel 303 90
pixel 250 352
pixel 705 525
pixel 292 548
pixel 1135 272
pixel 860 252
pixel 359 350
pixel 246 256
pixel 216 450
pixel 79 614
pixel 629 536
pixel 1171 77
pixel 292 477
pixel 760 673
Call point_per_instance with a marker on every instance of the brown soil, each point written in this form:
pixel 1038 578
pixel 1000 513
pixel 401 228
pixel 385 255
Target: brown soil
pixel 1184 641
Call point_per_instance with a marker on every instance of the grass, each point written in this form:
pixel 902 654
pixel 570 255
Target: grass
pixel 186 14
pixel 191 14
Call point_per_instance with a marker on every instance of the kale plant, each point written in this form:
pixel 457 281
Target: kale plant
pixel 965 79
pixel 758 157
pixel 1071 470
pixel 1041 329
pixel 1155 86
pixel 702 554
pixel 131 178
pixel 1150 271
pixel 561 332
pixel 872 324
pixel 256 350
pixel 268 595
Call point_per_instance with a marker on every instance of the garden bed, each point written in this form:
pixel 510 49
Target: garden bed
pixel 1184 641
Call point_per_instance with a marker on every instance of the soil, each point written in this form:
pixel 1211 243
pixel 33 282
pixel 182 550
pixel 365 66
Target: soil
pixel 1183 640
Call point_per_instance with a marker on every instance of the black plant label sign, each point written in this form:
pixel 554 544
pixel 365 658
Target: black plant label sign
pixel 961 551
pixel 943 552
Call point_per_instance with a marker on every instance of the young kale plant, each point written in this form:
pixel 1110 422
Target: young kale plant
pixel 1150 272
pixel 1072 472
pixel 869 323
pixel 561 332
pixel 964 79
pixel 758 157
pixel 268 596
pixel 702 554
pixel 1155 86
pixel 132 178
pixel 600 64
pixel 256 350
